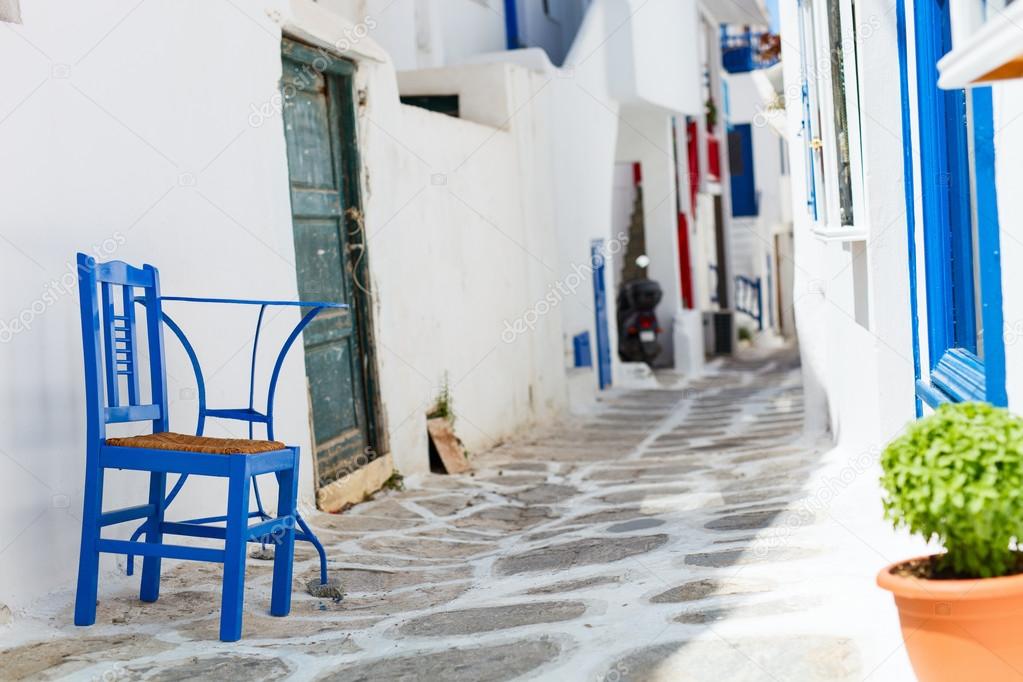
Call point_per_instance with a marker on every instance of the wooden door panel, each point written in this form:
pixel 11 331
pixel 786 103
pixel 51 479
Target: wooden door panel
pixel 310 164
pixel 333 356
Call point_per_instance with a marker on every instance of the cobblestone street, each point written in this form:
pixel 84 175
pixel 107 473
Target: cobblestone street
pixel 678 533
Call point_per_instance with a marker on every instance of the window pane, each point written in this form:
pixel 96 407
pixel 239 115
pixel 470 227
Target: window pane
pixel 836 52
pixel 811 72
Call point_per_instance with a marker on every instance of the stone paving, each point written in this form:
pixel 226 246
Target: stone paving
pixel 667 536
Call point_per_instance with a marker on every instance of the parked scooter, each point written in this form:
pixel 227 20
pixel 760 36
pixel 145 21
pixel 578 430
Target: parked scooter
pixel 637 322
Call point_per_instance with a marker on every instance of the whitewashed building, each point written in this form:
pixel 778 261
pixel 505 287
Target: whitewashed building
pixel 903 122
pixel 474 183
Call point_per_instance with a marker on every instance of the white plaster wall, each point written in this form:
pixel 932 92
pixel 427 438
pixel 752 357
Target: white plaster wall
pixel 462 248
pixel 655 49
pixel 471 27
pixel 1008 106
pixel 148 151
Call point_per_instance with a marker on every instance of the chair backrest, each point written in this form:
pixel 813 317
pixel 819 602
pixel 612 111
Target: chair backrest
pixel 109 293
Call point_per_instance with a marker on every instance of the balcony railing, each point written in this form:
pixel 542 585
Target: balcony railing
pixel 747 51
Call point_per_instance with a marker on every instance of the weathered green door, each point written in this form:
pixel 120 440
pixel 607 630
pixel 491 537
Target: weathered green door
pixel 317 107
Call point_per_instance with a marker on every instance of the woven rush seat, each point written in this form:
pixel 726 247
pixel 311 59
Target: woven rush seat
pixel 204 444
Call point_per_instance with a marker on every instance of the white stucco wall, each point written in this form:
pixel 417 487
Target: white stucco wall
pixel 462 246
pixel 143 150
pixel 1008 107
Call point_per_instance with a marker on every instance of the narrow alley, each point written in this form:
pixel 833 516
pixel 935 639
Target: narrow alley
pixel 691 532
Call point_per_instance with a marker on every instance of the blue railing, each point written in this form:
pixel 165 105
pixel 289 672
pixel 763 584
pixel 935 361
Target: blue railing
pixel 742 52
pixel 749 298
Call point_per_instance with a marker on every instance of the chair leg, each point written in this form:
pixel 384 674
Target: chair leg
pixel 236 543
pixel 150 590
pixel 88 557
pixel 284 540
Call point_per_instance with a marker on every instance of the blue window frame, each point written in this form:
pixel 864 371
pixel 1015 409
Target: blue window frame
pixel 960 224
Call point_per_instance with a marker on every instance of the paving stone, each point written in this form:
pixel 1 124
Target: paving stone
pixel 575 585
pixel 384 580
pixel 759 519
pixel 579 553
pixel 490 618
pixel 450 504
pixel 172 605
pixel 513 480
pixel 774 607
pixel 385 603
pixel 637 524
pixel 259 626
pixel 458 664
pixel 426 548
pixel 740 557
pixel 548 493
pixel 605 516
pixel 506 518
pixel 807 658
pixel 704 588
pixel 219 667
pixel 643 494
pixel 55 659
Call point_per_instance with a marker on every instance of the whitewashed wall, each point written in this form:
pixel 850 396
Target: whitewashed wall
pixel 135 145
pixel 148 151
pixel 1008 106
pixel 852 300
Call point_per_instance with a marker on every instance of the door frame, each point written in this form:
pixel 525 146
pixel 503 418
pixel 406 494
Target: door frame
pixel 353 222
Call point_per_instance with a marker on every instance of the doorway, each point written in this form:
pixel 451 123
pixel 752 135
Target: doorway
pixel 319 114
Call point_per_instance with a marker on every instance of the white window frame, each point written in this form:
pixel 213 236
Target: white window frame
pixel 817 73
pixel 986 45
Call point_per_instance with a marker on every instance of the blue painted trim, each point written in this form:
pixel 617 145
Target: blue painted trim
pixel 927 394
pixel 582 355
pixel 511 24
pixel 600 314
pixel 960 375
pixel 955 370
pixel 989 239
pixel 908 184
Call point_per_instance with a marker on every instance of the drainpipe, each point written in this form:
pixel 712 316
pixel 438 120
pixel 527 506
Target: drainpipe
pixel 511 24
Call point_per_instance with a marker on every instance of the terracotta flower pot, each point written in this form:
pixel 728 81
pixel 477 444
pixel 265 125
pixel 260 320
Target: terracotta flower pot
pixel 960 630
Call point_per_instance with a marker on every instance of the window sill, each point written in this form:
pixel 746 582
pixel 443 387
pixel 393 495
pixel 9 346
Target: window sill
pixel 992 53
pixel 844 233
pixel 958 377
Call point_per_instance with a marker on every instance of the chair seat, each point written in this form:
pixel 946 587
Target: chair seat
pixel 204 444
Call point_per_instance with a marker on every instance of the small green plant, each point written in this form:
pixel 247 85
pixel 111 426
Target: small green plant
pixel 394 482
pixel 443 405
pixel 957 476
pixel 745 334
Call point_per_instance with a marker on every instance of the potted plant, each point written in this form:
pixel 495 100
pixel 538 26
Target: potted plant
pixel 957 476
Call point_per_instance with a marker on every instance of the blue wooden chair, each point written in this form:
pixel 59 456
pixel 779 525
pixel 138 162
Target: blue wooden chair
pixel 109 295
